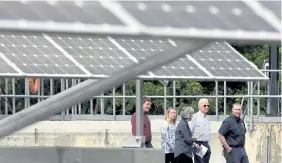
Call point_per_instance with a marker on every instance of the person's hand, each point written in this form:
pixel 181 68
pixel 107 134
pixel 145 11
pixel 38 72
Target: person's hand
pixel 229 150
pixel 197 146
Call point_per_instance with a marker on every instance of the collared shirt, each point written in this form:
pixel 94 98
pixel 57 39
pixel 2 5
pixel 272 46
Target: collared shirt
pixel 168 137
pixel 201 124
pixel 234 130
pixel 147 127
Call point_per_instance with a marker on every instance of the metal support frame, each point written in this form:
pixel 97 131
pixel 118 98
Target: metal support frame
pixel 139 108
pixel 258 99
pixel 26 100
pixel 174 93
pixel 67 87
pixel 6 99
pixel 114 103
pixel 165 99
pixel 14 93
pixel 242 36
pixel 89 88
pixel 224 99
pixel 216 99
pixel 123 99
pixel 273 103
pixel 62 89
pixel 251 100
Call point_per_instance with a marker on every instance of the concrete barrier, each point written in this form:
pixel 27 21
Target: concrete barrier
pixel 113 133
pixel 80 155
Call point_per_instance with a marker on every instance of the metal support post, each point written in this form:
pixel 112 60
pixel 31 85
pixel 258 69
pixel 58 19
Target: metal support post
pixel 39 92
pixel 102 104
pixel 224 99
pixel 258 99
pixel 42 89
pixel 249 102
pixel 51 87
pixel 74 107
pixel 91 106
pixel 272 109
pixel 216 100
pixel 123 99
pixel 67 87
pixel 89 88
pixel 27 99
pixel 14 93
pixel 165 99
pixel 6 99
pixel 114 103
pixel 280 74
pixel 79 104
pixel 251 106
pixel 174 94
pixel 63 112
pixel 139 108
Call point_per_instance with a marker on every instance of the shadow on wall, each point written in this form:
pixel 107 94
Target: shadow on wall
pixel 267 143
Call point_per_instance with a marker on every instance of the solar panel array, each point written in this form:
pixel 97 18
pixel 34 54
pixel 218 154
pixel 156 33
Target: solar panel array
pixel 51 55
pixel 256 20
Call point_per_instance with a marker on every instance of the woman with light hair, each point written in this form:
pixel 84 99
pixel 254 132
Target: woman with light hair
pixel 184 143
pixel 168 134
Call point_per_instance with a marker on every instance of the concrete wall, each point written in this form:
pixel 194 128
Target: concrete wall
pixel 79 155
pixel 94 134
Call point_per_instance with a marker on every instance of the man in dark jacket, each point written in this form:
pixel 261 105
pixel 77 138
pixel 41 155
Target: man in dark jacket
pixel 184 142
pixel 147 123
pixel 232 137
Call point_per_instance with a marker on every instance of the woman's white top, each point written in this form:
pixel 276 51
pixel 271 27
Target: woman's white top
pixel 168 137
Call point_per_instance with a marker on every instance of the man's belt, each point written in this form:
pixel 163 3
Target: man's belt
pixel 202 142
pixel 236 146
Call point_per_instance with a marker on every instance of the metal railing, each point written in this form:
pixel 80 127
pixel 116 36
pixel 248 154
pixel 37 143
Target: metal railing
pixel 9 97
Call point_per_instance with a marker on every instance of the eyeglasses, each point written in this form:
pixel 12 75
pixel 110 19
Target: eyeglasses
pixel 206 105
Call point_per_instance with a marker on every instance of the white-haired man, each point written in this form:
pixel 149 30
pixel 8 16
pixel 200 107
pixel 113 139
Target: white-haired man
pixel 201 124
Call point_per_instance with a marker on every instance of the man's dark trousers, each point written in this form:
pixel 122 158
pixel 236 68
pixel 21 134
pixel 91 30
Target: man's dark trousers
pixel 148 145
pixel 236 155
pixel 206 158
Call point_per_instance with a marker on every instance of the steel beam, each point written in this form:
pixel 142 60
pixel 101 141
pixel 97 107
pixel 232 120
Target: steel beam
pixel 273 103
pixel 139 108
pixel 85 90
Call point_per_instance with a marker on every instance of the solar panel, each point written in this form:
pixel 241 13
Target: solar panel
pixel 5 68
pixel 141 49
pixel 223 61
pixel 225 20
pixel 33 54
pixel 274 7
pixel 98 54
pixel 224 15
pixel 96 57
pixel 87 12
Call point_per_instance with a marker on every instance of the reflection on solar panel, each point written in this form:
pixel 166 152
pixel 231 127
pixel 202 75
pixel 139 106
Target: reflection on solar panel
pixel 234 15
pixel 88 12
pixel 99 55
pixel 33 54
pixel 188 19
pixel 5 68
pixel 96 57
pixel 221 60
pixel 142 49
pixel 274 6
